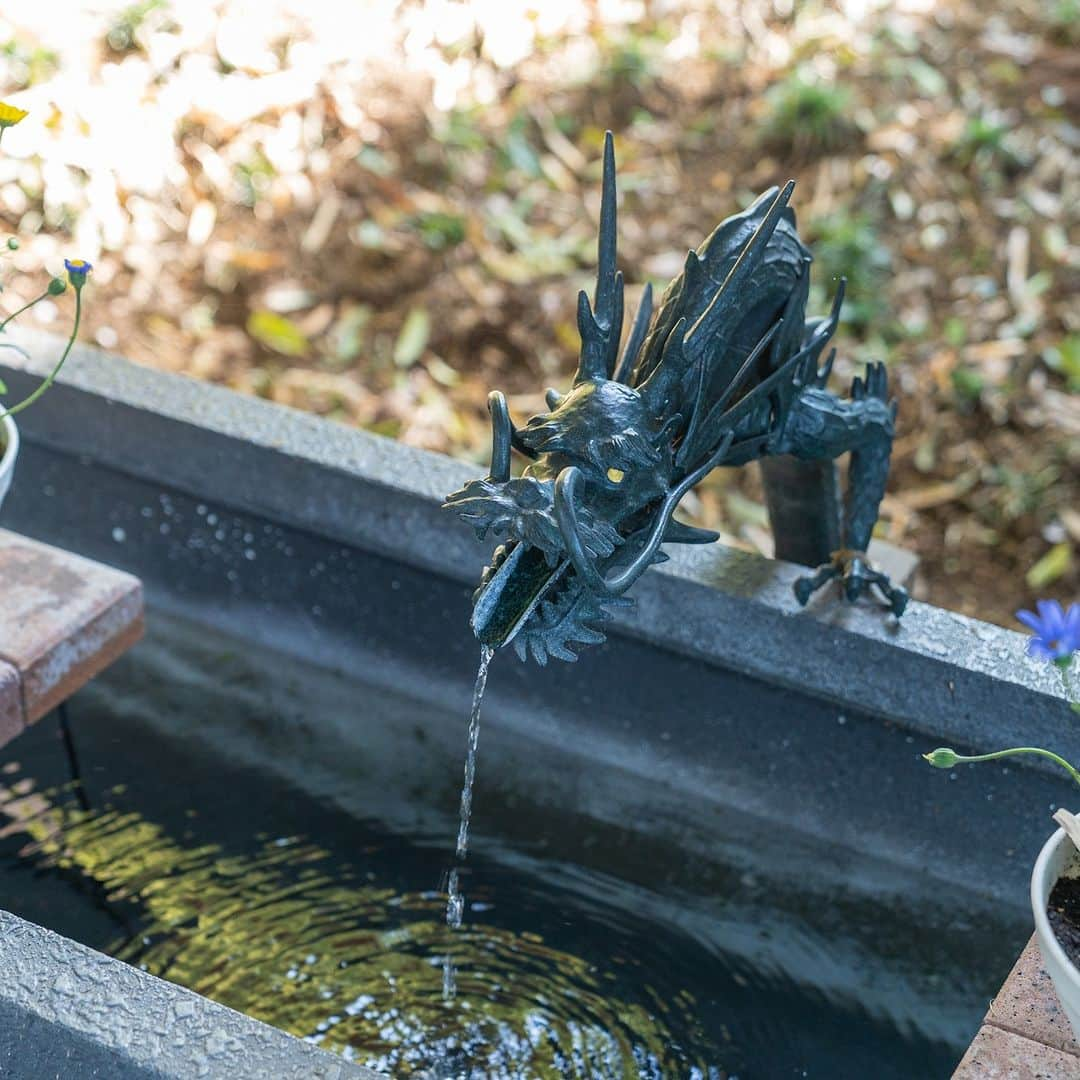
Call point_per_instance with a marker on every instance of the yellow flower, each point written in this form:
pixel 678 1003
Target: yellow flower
pixel 10 115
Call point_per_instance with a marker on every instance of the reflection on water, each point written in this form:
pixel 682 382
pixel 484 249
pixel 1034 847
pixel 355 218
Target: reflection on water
pixel 340 958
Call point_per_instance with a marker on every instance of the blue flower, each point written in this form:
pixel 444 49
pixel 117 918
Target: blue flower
pixel 77 270
pixel 1056 632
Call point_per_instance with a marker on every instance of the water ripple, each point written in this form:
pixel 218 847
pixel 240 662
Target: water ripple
pixel 289 936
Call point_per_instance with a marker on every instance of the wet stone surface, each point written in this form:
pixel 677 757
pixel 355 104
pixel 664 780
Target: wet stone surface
pixel 63 1003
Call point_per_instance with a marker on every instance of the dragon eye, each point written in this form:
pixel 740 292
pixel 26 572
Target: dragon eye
pixel 615 475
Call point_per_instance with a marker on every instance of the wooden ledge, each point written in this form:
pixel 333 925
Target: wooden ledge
pixel 63 619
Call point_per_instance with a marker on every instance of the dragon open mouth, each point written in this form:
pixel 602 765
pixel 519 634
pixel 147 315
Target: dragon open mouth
pixel 510 592
pixel 530 593
pixel 543 610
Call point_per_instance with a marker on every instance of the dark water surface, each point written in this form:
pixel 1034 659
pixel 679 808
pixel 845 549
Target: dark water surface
pixel 222 878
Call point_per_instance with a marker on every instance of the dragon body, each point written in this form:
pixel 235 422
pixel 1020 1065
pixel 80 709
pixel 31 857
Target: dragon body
pixel 726 370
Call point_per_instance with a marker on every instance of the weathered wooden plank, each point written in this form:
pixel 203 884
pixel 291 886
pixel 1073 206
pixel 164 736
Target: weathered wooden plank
pixel 63 619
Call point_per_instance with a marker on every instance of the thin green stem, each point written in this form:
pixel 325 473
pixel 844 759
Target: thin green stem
pixel 27 402
pixel 25 307
pixel 961 760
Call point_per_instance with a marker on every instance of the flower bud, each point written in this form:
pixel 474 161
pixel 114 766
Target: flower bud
pixel 942 757
pixel 77 270
pixel 57 286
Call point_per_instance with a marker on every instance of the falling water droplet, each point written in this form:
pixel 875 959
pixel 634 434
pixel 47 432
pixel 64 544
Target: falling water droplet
pixel 455 902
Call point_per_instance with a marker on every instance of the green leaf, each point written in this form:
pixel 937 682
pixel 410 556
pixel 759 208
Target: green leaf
pixel 929 80
pixel 955 331
pixel 1053 565
pixel 348 334
pixel 413 339
pixel 1065 358
pixel 391 427
pixel 442 372
pixel 3 387
pixel 519 150
pixel 967 383
pixel 278 333
pixel 438 230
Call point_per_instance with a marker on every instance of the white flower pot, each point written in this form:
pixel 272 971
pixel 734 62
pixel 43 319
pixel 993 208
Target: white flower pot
pixel 9 451
pixel 1058 858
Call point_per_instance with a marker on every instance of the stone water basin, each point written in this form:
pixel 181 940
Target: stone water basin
pixel 709 848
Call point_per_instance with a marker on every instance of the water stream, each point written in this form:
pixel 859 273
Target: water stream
pixel 455 900
pixel 486 653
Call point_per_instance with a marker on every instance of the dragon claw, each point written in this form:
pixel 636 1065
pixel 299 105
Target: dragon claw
pixel 856 577
pixel 806 586
pixel 897 596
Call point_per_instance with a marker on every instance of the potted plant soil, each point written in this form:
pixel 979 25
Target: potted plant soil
pixel 1055 881
pixel 77 271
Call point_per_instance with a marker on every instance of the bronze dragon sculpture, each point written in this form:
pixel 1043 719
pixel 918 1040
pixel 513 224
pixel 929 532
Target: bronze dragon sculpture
pixel 726 371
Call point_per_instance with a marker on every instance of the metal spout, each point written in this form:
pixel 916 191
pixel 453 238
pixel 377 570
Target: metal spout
pixel 510 597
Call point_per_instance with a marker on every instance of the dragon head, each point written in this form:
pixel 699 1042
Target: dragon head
pixel 598 458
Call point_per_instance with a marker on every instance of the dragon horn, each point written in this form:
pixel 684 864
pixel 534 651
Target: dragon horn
pixel 601 326
pixel 729 297
pixel 606 244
